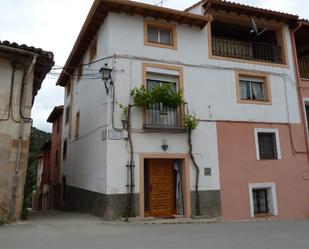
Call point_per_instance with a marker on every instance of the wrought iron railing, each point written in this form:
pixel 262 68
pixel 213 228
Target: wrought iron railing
pixel 246 50
pixel 303 64
pixel 159 116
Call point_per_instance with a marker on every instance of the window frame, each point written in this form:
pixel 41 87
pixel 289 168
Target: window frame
pixel 79 71
pixel 272 198
pixel 277 140
pixel 306 103
pixel 67 115
pixel 77 124
pixel 278 27
pixel 68 88
pixel 264 77
pixel 162 26
pixel 93 49
pixel 65 150
pixel 164 69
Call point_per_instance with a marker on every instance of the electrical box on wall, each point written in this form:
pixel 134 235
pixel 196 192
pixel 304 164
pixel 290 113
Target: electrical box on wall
pixel 207 171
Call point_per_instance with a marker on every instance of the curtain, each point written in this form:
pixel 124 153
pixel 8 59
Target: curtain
pixel 179 193
pixel 257 91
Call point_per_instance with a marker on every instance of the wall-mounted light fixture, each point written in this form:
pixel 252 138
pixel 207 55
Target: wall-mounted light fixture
pixel 106 75
pixel 164 145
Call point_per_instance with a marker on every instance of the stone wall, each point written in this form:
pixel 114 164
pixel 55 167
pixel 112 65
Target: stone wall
pixel 109 207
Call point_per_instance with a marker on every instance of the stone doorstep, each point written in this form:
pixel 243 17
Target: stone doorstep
pixel 159 221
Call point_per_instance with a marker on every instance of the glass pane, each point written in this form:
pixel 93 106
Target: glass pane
pixel 245 90
pixel 153 34
pixel 165 37
pixel 258 91
pixel 267 145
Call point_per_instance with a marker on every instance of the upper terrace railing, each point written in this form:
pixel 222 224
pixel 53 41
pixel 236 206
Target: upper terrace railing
pixel 161 117
pixel 303 64
pixel 246 50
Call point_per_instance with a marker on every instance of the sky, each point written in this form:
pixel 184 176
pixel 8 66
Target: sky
pixel 53 25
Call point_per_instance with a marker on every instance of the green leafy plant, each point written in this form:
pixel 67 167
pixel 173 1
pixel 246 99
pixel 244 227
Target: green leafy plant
pixel 159 94
pixel 124 108
pixel 191 121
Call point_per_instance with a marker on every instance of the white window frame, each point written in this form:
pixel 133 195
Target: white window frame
pixel 273 207
pixel 266 130
pixel 306 102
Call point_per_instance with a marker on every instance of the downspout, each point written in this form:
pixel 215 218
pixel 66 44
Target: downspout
pixel 19 148
pixel 297 76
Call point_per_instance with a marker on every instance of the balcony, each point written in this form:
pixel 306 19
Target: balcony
pixel 303 64
pixel 159 117
pixel 256 51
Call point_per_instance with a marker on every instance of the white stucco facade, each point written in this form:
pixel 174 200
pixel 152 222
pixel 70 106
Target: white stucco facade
pixel 98 164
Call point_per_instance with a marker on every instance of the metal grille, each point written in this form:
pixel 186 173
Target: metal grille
pixel 303 63
pixel 267 145
pixel 260 200
pixel 246 50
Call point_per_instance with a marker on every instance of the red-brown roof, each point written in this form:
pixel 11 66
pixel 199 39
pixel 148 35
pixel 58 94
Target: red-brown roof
pixel 245 9
pixel 99 11
pixel 249 10
pixel 44 62
pixel 56 113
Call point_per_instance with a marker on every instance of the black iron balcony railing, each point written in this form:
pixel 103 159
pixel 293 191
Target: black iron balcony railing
pixel 160 117
pixel 303 64
pixel 246 50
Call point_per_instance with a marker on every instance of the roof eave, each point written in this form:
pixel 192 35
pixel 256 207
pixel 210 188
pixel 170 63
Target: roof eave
pixel 250 10
pixel 100 10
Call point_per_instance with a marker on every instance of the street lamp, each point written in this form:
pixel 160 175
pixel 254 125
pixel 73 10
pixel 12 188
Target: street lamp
pixel 106 75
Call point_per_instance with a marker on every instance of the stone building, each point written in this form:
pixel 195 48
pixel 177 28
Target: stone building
pixel 22 71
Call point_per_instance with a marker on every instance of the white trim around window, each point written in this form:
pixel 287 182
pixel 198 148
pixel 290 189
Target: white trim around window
pixel 272 195
pixel 306 102
pixel 266 130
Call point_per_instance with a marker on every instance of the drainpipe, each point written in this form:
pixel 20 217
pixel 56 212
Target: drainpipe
pixel 19 148
pixel 297 76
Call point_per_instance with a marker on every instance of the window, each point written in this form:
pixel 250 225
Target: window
pixel 307 113
pixel 64 152
pixel 160 35
pixel 67 114
pixel 79 71
pixel 253 89
pixel 158 115
pixel 68 88
pixel 267 144
pixel 230 39
pixel 262 199
pixel 93 49
pixel 77 124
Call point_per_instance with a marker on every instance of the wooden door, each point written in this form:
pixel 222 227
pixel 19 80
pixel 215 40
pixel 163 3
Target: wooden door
pixel 161 186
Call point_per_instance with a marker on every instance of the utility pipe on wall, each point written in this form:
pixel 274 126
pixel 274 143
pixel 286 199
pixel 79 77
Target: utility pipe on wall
pixel 20 139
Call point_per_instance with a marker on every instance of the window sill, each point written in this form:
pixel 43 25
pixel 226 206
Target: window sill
pixel 254 102
pixel 159 45
pixel 274 159
pixel 152 128
pixel 266 215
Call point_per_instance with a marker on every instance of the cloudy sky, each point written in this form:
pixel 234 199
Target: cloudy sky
pixel 54 25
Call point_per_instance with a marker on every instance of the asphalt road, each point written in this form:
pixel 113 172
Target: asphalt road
pixel 58 230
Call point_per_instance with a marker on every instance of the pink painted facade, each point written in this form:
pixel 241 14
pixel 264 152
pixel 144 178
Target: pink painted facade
pixel 239 167
pixel 56 119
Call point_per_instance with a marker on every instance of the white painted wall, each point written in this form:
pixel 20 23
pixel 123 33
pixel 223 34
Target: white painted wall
pixel 209 89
